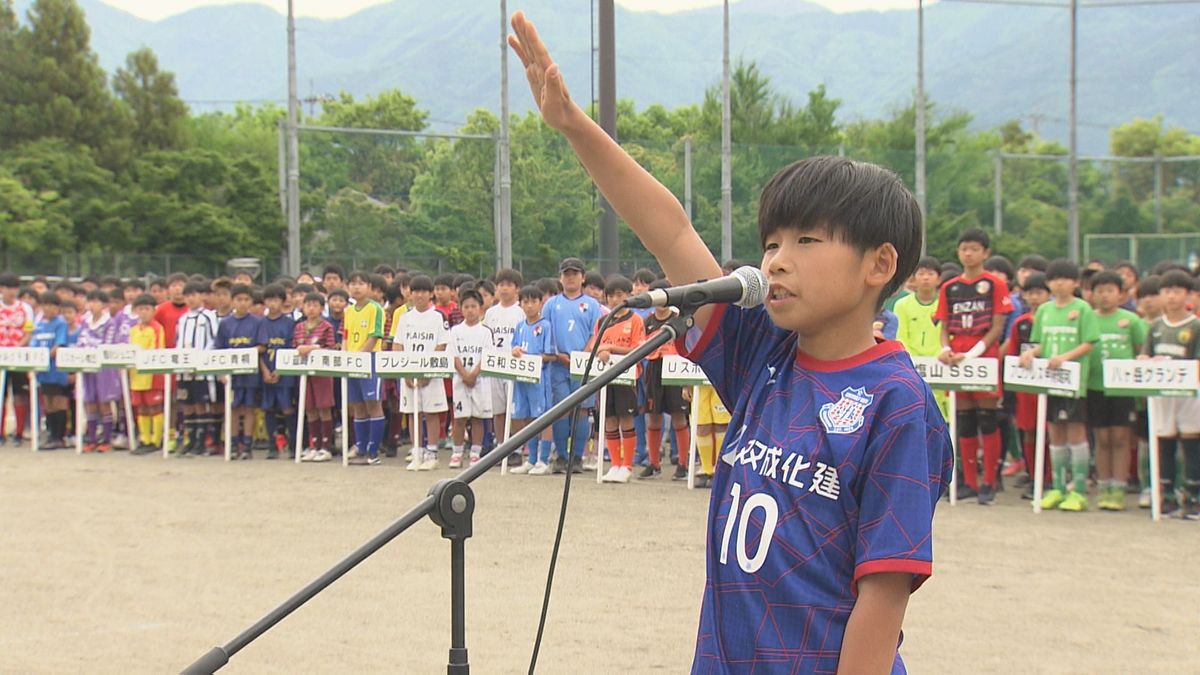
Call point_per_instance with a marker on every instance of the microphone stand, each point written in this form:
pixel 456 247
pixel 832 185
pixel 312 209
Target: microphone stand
pixel 450 504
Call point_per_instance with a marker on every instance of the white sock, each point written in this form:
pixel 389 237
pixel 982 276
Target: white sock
pixel 476 450
pixel 458 450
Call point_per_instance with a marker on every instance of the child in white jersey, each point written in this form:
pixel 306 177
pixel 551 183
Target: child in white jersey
pixel 423 329
pixel 472 392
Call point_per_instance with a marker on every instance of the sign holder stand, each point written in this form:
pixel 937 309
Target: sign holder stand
pixel 168 421
pixel 301 404
pixel 1039 454
pixel 35 420
pixel 509 385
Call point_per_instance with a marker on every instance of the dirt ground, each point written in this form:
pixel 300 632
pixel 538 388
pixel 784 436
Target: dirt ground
pixel 119 564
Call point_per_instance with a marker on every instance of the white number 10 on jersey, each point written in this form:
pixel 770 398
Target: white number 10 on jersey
pixel 740 514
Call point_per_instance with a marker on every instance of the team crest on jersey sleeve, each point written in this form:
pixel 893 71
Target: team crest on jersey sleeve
pixel 845 416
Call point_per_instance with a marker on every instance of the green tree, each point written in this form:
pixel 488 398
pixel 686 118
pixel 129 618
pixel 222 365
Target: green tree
pixel 159 116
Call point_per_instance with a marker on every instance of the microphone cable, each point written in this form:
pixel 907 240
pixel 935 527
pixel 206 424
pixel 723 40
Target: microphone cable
pixel 562 512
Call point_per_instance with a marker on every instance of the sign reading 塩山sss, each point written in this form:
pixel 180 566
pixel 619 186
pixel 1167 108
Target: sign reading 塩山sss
pixel 680 372
pixel 427 366
pixel 982 374
pixel 1151 377
pixel 1065 382
pixel 579 362
pixel 525 368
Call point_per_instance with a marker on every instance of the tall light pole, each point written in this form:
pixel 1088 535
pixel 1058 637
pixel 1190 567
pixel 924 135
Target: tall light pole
pixel 609 243
pixel 920 110
pixel 293 141
pixel 1073 150
pixel 505 220
pixel 726 150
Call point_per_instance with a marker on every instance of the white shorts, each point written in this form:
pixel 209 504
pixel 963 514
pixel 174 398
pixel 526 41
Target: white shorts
pixel 432 397
pixel 473 401
pixel 1174 416
pixel 499 395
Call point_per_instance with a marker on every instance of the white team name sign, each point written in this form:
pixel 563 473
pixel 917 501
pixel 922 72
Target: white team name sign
pixel 1131 377
pixel 334 363
pixel 24 359
pixel 78 359
pixel 289 362
pixel 680 372
pixel 166 360
pixel 524 368
pixel 117 356
pixel 579 362
pixel 1066 381
pixel 982 374
pixel 240 361
pixel 435 366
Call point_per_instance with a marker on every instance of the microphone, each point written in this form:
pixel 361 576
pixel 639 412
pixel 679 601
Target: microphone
pixel 745 287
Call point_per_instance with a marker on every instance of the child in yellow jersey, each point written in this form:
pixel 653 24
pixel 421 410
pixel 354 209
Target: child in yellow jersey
pixel 917 330
pixel 146 391
pixel 363 331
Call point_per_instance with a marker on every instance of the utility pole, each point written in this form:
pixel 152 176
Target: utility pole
pixel 1073 149
pixel 293 169
pixel 920 110
pixel 504 253
pixel 609 244
pixel 726 151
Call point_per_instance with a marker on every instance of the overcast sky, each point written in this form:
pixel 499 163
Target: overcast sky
pixel 157 9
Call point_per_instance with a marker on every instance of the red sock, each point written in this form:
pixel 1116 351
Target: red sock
pixel 612 441
pixel 968 448
pixel 21 411
pixel 991 457
pixel 327 434
pixel 628 447
pixel 683 438
pixel 314 432
pixel 654 445
pixel 1030 454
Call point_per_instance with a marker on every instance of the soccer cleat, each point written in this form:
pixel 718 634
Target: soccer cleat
pixel 1191 510
pixel 475 457
pixel 576 465
pixel 524 468
pixel 623 474
pixel 611 476
pixel 120 442
pixel 1014 467
pixel 307 455
pixel 650 471
pixel 273 453
pixel 680 472
pixel 455 461
pixel 1118 499
pixel 374 461
pixel 589 462
pixel 430 462
pixel 703 480
pixel 1052 499
pixel 1073 502
pixel 102 447
pixel 558 465
pixel 322 456
pixel 353 452
pixel 358 461
pixel 414 464
pixel 1145 499
pixel 1170 507
pixel 987 495
pixel 540 469
pixel 89 447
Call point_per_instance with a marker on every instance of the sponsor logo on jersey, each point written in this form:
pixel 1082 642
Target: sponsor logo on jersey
pixel 845 416
pixel 968 306
pixel 983 287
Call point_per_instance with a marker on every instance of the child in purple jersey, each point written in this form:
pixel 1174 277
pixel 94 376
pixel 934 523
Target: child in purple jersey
pixel 820 522
pixel 100 389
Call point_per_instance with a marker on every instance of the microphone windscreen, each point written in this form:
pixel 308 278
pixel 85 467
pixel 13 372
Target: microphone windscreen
pixel 756 286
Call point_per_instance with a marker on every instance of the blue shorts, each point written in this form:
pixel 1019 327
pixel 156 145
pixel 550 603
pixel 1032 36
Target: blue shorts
pixel 529 399
pixel 363 389
pixel 277 396
pixel 245 397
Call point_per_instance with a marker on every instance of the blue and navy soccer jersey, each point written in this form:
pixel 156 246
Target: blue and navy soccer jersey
pixel 571 321
pixel 51 333
pixel 274 334
pixel 830 471
pixel 238 333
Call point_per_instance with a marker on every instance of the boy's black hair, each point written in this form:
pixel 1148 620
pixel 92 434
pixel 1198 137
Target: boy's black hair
pixel 509 275
pixel 241 289
pixel 1085 277
pixel 976 236
pixel 197 277
pixel 402 280
pixel 144 300
pixel 109 280
pixel 420 283
pixel 303 288
pixel 358 275
pixel 466 286
pixel 66 286
pixel 469 294
pixel 384 269
pixel 97 295
pixel 1034 281
pixel 1033 261
pixel 594 279
pixel 91 279
pixel 256 296
pixel 729 266
pixel 953 267
pixel 313 296
pixel 340 293
pixel 999 263
pixel 334 269
pixel 1149 286
pixel 49 298
pixel 617 283
pixel 28 292
pixel 529 292
pixel 861 204
pixel 549 286
pixel 9 281
pixel 1162 267
pixel 1107 277
pixel 1126 264
pixel 393 293
pixel 446 280
pixel 486 286
pixel 1177 279
pixel 377 282
pixel 221 283
pixel 947 275
pixel 644 275
pixel 276 291
pixel 134 283
pixel 659 284
pixel 929 263
pixel 1062 268
pixel 460 279
pixel 156 281
pixel 195 287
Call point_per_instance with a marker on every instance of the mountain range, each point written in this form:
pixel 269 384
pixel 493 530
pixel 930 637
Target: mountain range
pixel 998 63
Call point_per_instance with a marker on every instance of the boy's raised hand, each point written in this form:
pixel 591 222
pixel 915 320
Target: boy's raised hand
pixel 545 78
